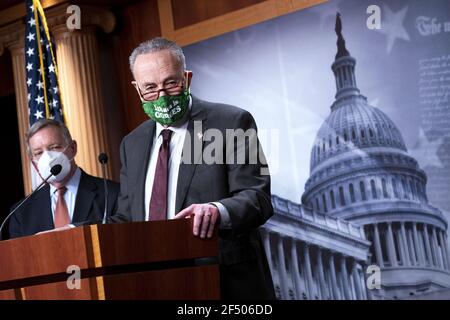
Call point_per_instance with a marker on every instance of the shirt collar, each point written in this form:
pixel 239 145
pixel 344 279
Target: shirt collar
pixel 72 184
pixel 177 129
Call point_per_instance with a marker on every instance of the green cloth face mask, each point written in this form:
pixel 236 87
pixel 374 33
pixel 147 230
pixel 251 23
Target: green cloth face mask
pixel 167 110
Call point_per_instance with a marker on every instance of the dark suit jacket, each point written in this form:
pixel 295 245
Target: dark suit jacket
pixel 36 214
pixel 240 188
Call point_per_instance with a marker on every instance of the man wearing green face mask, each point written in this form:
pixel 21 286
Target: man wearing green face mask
pixel 158 183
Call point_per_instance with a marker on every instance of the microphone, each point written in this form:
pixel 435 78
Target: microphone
pixel 54 171
pixel 103 159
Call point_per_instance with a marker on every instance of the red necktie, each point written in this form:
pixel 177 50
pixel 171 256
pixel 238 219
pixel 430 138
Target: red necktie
pixel 61 213
pixel 158 201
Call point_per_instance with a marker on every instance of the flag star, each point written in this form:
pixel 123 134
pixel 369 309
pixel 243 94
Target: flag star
pixel 51 68
pixel 30 52
pixel 29 82
pixel 52 117
pixel 55 90
pixel 392 26
pixel 32 22
pixel 47 45
pixel 30 36
pixel 41 41
pixel 55 102
pixel 40 84
pixel 426 151
pixel 29 97
pixel 39 99
pixel 32 8
pixel 38 115
pixel 29 66
pixel 50 104
pixel 39 70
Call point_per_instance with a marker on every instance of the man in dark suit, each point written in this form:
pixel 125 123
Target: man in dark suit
pixel 72 197
pixel 167 173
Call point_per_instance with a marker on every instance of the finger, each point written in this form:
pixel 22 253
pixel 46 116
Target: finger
pixel 205 223
pixel 186 212
pixel 212 223
pixel 197 222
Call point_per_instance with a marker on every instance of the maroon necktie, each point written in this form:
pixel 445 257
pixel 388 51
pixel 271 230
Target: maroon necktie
pixel 158 201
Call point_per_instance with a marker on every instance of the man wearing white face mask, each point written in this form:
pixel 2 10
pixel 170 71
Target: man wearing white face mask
pixel 72 197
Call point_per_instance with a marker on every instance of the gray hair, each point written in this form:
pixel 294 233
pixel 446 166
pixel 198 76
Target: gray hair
pixel 43 123
pixel 155 45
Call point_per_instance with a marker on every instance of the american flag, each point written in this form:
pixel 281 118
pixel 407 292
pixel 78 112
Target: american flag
pixel 44 99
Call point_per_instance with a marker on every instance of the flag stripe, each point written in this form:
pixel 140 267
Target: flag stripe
pixel 44 99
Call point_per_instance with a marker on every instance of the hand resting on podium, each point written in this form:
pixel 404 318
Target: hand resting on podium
pixel 206 216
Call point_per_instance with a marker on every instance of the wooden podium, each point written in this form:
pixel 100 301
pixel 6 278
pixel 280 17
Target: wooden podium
pixel 139 260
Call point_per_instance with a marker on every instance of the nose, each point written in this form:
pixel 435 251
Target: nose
pixel 162 92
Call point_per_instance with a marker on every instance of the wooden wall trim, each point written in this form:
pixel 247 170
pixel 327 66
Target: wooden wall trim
pixel 228 22
pixel 18 11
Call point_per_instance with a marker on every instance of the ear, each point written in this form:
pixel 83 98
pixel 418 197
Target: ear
pixel 188 76
pixel 135 85
pixel 74 148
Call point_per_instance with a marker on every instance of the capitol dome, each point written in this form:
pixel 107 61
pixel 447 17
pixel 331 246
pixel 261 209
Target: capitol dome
pixel 361 172
pixel 354 124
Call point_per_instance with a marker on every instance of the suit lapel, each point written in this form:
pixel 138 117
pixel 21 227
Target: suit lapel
pixel 142 154
pixel 193 143
pixel 85 197
pixel 44 203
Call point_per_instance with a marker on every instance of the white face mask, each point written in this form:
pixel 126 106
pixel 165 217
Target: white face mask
pixel 50 158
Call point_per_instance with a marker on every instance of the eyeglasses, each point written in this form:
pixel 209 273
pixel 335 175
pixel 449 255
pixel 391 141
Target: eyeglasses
pixel 152 92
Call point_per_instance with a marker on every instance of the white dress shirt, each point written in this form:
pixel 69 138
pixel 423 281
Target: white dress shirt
pixel 176 150
pixel 70 196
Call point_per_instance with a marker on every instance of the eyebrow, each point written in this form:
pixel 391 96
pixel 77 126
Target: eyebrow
pixel 146 84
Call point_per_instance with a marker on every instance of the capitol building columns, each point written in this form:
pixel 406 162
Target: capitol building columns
pixel 320 269
pixel 378 252
pixel 392 254
pixel 295 271
pixel 427 245
pixel 282 268
pixel 308 271
pixel 304 270
pixel 421 254
pixel 345 278
pixel 444 248
pixel 333 274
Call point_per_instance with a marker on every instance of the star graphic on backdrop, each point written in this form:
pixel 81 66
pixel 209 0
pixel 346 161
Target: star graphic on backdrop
pixel 374 102
pixel 392 26
pixel 426 151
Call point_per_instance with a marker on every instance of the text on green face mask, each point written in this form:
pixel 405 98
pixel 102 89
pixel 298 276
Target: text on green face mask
pixel 167 109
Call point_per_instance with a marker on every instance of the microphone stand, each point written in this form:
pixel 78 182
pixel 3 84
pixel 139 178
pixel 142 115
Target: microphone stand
pixel 54 171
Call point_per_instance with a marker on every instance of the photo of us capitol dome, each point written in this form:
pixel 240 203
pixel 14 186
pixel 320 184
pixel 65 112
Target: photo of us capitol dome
pixel 365 228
